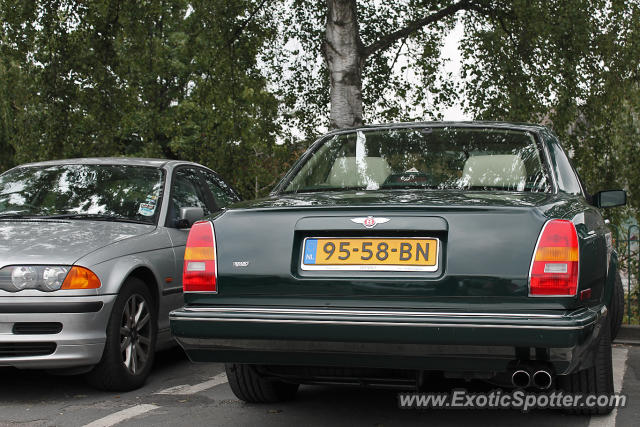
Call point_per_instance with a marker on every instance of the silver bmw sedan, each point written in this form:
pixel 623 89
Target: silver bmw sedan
pixel 91 258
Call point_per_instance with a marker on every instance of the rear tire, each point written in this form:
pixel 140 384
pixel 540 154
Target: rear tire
pixel 617 307
pixel 597 380
pixel 129 350
pixel 252 387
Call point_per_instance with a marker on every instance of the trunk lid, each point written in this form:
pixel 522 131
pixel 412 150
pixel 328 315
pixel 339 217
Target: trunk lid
pixel 486 239
pixel 486 244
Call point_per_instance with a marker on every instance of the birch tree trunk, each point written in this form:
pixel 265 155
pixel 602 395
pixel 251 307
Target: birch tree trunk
pixel 343 52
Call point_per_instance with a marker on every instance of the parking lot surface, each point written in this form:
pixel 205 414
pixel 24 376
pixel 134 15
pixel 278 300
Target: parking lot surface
pixel 180 393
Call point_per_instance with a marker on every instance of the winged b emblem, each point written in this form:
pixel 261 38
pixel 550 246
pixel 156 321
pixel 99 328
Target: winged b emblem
pixel 370 221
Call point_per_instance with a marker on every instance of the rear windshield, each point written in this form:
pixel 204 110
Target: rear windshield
pixel 475 159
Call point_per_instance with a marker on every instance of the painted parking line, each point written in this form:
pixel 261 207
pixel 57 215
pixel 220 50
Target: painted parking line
pixel 619 356
pixel 123 415
pixel 196 388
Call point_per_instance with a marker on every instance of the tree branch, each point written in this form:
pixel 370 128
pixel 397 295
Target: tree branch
pixel 388 40
pixel 239 31
pixel 491 13
pixel 393 64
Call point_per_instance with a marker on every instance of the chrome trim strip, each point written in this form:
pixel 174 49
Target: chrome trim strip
pixel 367 312
pixel 372 267
pixel 356 323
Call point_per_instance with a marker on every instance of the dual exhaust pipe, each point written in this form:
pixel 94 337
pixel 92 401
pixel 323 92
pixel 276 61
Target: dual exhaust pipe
pixel 541 379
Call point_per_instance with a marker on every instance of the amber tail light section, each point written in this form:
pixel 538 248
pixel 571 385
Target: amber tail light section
pixel 555 264
pixel 200 271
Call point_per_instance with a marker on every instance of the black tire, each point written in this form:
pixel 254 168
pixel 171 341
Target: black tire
pixel 597 380
pixel 617 307
pixel 248 385
pixel 131 342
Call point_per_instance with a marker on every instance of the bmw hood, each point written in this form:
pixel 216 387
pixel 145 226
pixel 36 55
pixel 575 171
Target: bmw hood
pixel 61 241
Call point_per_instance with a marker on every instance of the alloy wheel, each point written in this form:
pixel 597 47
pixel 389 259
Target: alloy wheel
pixel 135 334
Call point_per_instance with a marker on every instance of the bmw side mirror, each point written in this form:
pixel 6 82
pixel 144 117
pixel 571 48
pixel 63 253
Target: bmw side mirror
pixel 188 216
pixel 610 198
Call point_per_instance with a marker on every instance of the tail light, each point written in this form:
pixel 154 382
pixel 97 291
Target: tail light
pixel 200 271
pixel 554 269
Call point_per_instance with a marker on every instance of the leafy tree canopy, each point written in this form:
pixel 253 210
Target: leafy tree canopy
pixel 157 78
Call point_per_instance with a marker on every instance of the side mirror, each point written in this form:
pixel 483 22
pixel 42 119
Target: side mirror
pixel 188 216
pixel 610 198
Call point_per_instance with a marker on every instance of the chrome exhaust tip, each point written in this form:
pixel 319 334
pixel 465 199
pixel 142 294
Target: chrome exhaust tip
pixel 521 379
pixel 542 379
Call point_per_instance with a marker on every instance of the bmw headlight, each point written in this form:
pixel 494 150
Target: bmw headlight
pixel 24 278
pixel 47 278
pixel 53 277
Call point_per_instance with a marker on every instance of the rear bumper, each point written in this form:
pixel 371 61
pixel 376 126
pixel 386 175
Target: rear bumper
pixel 451 341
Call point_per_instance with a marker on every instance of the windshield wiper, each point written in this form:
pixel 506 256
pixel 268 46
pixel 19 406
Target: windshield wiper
pixel 95 217
pixel 321 189
pixel 17 216
pixel 408 187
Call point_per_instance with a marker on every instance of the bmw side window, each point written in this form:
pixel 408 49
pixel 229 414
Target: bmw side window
pixel 221 192
pixel 186 192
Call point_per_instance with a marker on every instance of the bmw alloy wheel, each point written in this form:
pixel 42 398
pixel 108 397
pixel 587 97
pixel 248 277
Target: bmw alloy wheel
pixel 135 334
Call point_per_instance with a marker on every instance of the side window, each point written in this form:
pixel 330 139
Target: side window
pixel 581 182
pixel 567 180
pixel 221 192
pixel 186 192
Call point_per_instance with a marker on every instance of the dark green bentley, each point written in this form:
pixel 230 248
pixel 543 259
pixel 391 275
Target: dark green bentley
pixel 390 254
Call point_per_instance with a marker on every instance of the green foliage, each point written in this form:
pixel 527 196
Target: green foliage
pixel 631 307
pixel 573 65
pixel 175 79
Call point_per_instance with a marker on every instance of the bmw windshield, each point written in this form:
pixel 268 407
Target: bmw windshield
pixel 99 192
pixel 476 159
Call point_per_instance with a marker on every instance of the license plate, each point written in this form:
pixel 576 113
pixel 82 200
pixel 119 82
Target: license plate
pixel 362 254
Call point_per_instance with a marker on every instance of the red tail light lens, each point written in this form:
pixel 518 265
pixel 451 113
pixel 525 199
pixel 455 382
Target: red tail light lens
pixel 200 271
pixel 555 265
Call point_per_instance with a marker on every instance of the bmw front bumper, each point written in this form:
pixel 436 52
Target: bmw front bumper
pixel 53 332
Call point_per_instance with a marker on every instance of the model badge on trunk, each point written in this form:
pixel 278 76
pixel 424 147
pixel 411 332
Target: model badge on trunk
pixel 240 263
pixel 370 221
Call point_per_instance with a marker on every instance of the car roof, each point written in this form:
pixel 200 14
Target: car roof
pixel 468 124
pixel 126 161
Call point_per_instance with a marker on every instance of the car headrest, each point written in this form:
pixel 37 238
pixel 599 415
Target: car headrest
pixel 496 170
pixel 367 172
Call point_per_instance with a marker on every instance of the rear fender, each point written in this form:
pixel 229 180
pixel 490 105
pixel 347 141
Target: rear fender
pixel 612 271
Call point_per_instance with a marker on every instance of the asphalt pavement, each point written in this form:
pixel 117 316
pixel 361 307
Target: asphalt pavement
pixel 180 393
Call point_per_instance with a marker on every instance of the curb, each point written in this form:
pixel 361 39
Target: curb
pixel 629 335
